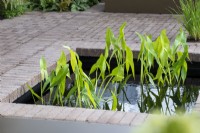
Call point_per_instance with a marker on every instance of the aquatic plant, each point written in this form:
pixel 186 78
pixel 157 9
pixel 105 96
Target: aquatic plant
pixel 55 83
pixel 171 68
pixel 86 92
pixel 122 54
pixel 163 67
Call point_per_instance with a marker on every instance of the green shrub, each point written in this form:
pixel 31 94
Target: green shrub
pixel 12 8
pixel 81 5
pixel 191 17
pixel 50 5
pixel 62 5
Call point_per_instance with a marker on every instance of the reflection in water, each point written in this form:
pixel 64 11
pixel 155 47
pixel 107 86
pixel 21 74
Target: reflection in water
pixel 167 100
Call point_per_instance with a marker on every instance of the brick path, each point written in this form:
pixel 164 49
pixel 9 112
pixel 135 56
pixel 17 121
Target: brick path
pixel 24 39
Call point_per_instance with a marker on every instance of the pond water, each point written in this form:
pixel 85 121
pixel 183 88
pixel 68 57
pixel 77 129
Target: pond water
pixel 166 100
pixel 169 101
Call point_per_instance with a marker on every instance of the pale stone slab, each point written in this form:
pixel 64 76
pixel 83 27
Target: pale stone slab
pixel 127 119
pixel 36 109
pixel 64 113
pixel 105 117
pixel 95 115
pixel 43 114
pixel 14 109
pixel 116 118
pixel 85 114
pixel 5 107
pixel 73 115
pixel 54 112
pixel 24 110
pixel 139 119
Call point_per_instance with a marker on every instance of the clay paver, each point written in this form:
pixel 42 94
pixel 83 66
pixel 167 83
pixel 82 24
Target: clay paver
pixel 43 114
pixel 139 119
pixel 33 112
pixel 73 115
pixel 24 110
pixel 105 117
pixel 116 118
pixel 63 114
pixel 85 114
pixel 5 108
pixel 13 110
pixel 54 112
pixel 127 119
pixel 95 115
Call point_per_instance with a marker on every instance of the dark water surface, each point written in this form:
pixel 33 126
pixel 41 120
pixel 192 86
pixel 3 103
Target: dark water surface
pixel 170 100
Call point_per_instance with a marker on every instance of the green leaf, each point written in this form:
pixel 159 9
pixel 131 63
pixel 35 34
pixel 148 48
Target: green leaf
pixel 71 92
pixel 108 39
pixel 184 71
pixel 118 73
pixel 142 40
pixel 122 36
pixel 129 61
pixel 89 94
pixel 43 68
pixel 159 76
pixel 35 94
pixel 60 76
pixel 73 59
pixel 61 62
pixel 115 101
pixel 101 65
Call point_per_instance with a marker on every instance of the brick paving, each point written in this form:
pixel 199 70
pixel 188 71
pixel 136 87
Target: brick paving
pixel 25 39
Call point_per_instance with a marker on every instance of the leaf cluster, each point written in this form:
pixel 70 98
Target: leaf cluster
pixel 171 71
pixel 50 5
pixel 86 91
pixel 191 17
pixel 12 8
pixel 61 5
pixel 82 5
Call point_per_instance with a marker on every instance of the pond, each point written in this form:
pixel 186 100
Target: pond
pixel 133 98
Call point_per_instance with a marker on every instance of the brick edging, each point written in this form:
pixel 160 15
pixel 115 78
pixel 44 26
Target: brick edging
pixel 13 110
